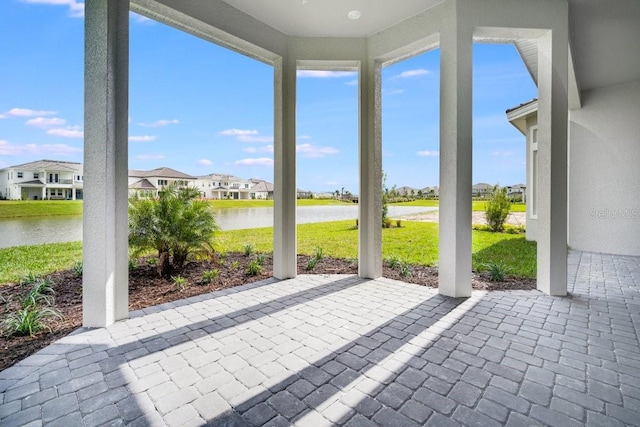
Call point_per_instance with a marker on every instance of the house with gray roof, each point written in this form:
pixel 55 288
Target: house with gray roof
pixel 151 181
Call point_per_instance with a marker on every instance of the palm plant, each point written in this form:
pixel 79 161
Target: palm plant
pixel 176 224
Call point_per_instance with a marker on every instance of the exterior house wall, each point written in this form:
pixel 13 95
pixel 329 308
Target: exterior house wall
pixel 604 171
pixel 16 183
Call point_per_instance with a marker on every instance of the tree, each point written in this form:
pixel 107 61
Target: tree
pixel 497 208
pixel 177 223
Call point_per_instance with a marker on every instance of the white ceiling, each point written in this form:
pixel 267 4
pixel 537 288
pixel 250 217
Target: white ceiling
pixel 605 34
pixel 328 18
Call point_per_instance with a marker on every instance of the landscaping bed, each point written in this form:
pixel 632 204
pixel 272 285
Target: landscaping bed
pixel 147 289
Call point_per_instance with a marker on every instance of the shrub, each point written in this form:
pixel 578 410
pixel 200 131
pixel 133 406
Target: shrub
pixel 28 279
pixel 76 269
pixel 398 223
pixel 180 282
pixel 497 208
pixel 210 275
pixel 393 261
pixel 405 269
pixel 318 253
pixel 254 269
pixel 177 223
pixel 28 320
pixel 41 292
pixel 260 259
pixel 497 271
pixel 248 249
pixel 312 263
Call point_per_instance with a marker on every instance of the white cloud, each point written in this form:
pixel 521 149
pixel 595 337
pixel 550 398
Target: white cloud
pixel 254 138
pixel 265 149
pixel 25 112
pixel 159 123
pixel 204 162
pixel 135 17
pixel 412 73
pixel 303 137
pixel 502 153
pixel 324 74
pixel 352 82
pixel 315 151
pixel 44 123
pixel 393 92
pixel 149 157
pixel 142 138
pixel 246 135
pixel 7 149
pixel 238 132
pixel 427 153
pixel 262 161
pixel 68 132
pixel 76 9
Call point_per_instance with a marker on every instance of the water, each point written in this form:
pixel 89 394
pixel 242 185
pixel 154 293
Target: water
pixel 34 231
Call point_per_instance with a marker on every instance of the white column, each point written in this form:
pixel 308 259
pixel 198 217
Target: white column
pixel 284 212
pixel 105 273
pixel 73 193
pixel 370 158
pixel 552 162
pixel 454 266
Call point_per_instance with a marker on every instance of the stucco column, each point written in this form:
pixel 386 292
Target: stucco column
pixel 105 273
pixel 284 212
pixel 454 266
pixel 552 162
pixel 370 158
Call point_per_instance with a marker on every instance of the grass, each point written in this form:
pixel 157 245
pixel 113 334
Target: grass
pixel 34 208
pixel 16 262
pixel 476 205
pixel 413 243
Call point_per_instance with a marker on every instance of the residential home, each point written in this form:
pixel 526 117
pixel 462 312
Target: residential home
pixel 579 53
pixel 430 192
pixel 481 190
pixel 304 194
pixel 405 191
pixel 261 189
pixel 223 186
pixel 42 180
pixel 151 181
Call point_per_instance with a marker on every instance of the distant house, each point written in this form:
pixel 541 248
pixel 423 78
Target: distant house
pixel 303 194
pixel 481 190
pixel 223 186
pixel 430 192
pixel 517 192
pixel 42 180
pixel 261 189
pixel 406 191
pixel 151 181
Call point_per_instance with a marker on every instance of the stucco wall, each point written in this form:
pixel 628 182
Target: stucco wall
pixel 604 171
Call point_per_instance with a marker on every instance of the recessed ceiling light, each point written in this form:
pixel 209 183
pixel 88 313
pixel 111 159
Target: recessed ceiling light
pixel 354 14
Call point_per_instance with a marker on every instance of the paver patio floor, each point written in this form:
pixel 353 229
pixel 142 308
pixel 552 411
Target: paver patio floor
pixel 339 350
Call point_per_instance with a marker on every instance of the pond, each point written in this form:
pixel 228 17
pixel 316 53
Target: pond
pixel 34 231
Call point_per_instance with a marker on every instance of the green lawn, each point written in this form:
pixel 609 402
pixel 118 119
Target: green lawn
pixel 414 242
pixel 17 261
pixel 476 205
pixel 31 208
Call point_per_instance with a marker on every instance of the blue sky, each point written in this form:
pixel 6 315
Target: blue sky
pixel 200 108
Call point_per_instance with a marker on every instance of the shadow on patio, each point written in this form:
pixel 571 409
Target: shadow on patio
pixel 339 350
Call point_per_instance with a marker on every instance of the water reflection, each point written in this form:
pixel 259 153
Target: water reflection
pixel 33 231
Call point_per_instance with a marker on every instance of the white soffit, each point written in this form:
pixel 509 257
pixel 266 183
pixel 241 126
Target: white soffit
pixel 329 18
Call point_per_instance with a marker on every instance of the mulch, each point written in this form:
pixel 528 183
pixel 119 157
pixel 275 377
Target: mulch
pixel 147 289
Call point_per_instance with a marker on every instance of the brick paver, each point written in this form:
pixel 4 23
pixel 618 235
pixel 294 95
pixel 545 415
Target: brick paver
pixel 340 350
